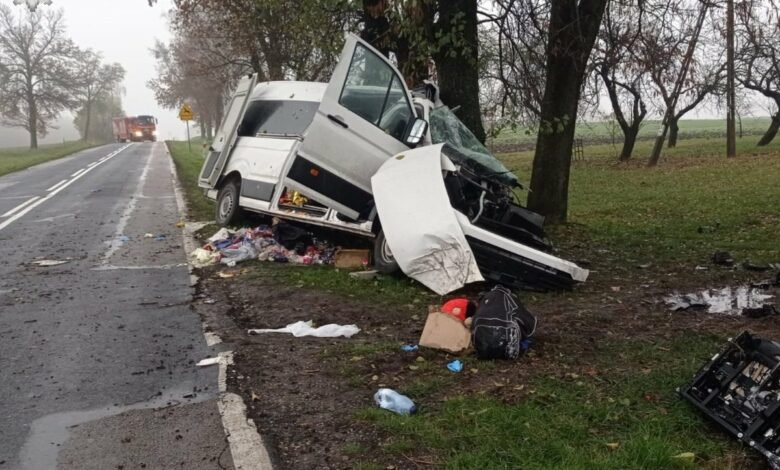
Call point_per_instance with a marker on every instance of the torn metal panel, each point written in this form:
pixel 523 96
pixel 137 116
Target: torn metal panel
pixel 419 223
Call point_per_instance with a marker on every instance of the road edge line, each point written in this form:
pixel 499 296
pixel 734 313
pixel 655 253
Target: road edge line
pixel 246 445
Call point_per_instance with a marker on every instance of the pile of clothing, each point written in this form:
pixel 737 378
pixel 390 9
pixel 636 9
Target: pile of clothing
pixel 281 243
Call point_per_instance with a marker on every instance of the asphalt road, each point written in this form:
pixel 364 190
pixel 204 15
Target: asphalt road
pixel 98 354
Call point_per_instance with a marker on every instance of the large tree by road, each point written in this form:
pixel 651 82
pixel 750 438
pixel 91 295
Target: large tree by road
pixel 572 30
pixel 38 66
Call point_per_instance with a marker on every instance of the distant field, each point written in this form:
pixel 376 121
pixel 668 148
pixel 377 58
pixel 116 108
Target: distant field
pixel 602 131
pixel 15 159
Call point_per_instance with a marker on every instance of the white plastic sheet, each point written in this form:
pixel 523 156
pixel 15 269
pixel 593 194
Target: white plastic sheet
pixel 419 222
pixel 306 328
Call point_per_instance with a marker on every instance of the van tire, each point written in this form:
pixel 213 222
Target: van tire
pixel 384 261
pixel 228 211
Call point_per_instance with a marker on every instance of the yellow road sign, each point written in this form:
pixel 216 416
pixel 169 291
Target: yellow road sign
pixel 185 113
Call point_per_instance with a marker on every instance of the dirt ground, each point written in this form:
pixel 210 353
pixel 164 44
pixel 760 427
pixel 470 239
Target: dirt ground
pixel 304 393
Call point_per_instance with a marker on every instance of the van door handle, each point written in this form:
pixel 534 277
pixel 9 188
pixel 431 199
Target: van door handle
pixel 338 120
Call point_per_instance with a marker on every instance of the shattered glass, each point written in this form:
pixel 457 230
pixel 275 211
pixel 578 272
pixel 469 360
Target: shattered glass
pixel 446 128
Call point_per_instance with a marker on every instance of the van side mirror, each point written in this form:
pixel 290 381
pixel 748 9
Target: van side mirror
pixel 416 132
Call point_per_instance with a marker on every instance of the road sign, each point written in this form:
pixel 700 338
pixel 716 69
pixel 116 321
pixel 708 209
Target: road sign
pixel 185 113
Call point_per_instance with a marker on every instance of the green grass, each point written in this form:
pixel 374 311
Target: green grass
pixel 15 159
pixel 689 128
pixel 568 423
pixel 387 290
pixel 188 165
pixel 655 213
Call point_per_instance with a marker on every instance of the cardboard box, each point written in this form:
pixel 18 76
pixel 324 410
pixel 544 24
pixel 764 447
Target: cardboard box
pixel 350 259
pixel 445 332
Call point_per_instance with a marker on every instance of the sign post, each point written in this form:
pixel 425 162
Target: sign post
pixel 186 115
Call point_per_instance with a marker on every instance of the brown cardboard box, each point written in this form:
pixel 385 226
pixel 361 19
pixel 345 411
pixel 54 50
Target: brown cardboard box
pixel 350 259
pixel 443 331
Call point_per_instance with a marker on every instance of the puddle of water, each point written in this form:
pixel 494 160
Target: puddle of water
pixel 49 433
pixel 727 301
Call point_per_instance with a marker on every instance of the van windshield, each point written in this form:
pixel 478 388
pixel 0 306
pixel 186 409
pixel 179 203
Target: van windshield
pixel 446 128
pixel 283 117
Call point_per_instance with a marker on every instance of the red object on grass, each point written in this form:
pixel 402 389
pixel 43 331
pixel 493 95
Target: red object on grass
pixel 457 308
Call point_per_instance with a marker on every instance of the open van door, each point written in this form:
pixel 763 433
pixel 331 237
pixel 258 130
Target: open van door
pixel 365 117
pixel 226 135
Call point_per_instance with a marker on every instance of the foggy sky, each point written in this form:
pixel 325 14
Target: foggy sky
pixel 123 31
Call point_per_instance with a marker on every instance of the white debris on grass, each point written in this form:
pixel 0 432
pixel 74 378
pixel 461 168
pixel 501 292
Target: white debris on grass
pixel 726 301
pixel 306 328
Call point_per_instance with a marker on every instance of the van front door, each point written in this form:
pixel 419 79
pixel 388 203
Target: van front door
pixel 361 122
pixel 226 135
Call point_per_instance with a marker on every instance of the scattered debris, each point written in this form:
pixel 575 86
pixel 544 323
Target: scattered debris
pixel 161 237
pixel 148 235
pixel 455 366
pixel 208 362
pixel 701 268
pixel 391 400
pixel 180 224
pixel 49 262
pixel 760 312
pixel 613 445
pixel 445 332
pixel 644 266
pixel 265 244
pixel 351 259
pixel 459 308
pixel 687 456
pixel 722 258
pixel 124 238
pixel 306 328
pixel 227 274
pixel 727 300
pixel 364 275
pixel 739 389
pixel 409 348
pixel 502 326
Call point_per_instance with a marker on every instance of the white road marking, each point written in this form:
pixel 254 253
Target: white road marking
pixel 116 241
pixel 52 188
pixel 20 206
pixel 79 172
pixel 51 195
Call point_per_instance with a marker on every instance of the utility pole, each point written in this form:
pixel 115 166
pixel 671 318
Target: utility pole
pixel 731 140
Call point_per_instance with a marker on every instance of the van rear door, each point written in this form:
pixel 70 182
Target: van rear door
pixel 227 133
pixel 361 122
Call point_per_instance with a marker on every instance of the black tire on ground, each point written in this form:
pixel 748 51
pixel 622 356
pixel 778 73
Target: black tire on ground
pixel 228 211
pixel 384 261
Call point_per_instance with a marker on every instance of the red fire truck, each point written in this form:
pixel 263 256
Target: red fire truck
pixel 135 128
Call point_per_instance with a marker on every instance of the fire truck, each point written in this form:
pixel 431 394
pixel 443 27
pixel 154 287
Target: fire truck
pixel 135 128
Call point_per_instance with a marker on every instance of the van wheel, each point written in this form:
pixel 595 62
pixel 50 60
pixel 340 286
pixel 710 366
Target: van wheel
pixel 384 261
pixel 228 211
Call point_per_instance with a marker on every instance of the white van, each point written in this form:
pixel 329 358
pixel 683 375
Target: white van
pixel 365 155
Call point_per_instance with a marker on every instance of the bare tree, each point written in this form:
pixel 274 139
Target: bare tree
pixel 95 81
pixel 103 108
pixel 758 30
pixel 664 44
pixel 38 70
pixel 622 69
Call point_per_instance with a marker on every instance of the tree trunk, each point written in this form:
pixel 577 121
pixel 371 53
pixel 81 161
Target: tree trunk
pixel 459 75
pixel 629 140
pixel 674 129
pixel 32 121
pixel 772 131
pixel 572 31
pixel 87 121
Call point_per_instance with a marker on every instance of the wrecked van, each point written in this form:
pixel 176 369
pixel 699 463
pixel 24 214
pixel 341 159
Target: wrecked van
pixel 363 154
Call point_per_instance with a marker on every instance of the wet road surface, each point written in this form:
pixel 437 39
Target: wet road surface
pixel 97 354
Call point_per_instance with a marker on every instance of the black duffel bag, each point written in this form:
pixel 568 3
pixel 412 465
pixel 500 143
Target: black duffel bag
pixel 501 326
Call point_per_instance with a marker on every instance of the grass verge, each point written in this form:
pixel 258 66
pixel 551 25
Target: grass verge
pixel 624 417
pixel 16 159
pixel 188 163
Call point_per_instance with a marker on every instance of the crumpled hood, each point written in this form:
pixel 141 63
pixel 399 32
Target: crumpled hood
pixel 419 222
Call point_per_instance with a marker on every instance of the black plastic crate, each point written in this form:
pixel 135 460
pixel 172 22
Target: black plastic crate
pixel 740 390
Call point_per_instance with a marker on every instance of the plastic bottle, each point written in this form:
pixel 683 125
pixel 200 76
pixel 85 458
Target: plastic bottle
pixel 391 400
